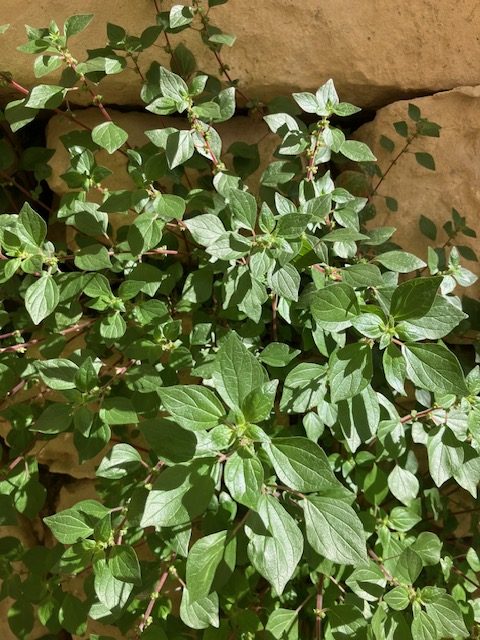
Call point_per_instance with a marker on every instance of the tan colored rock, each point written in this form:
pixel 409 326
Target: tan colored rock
pixel 376 51
pixel 60 455
pixel 454 183
pixel 74 492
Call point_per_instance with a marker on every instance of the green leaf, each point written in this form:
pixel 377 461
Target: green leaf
pixel 292 225
pixel 73 614
pixel 124 565
pixel 285 282
pixel 276 542
pixel 367 582
pixel 391 204
pixel 445 455
pixel 109 136
pixel 414 298
pixel 117 410
pixel 387 143
pixel 31 228
pixel 145 233
pixel 172 86
pixel 201 613
pixel 180 494
pixel 183 61
pixel 350 371
pixel 277 354
pixel 112 593
pixel 301 464
pixel 45 96
pixel 429 547
pixel 306 101
pixel 41 298
pixel 205 229
pixel 345 109
pixel 358 417
pixel 222 38
pixel 203 560
pixel 180 16
pixel 282 624
pixel 414 112
pixel 57 373
pixel 425 160
pixel 334 530
pixel 243 477
pixel 233 357
pixel 192 406
pixel 408 566
pixel 76 24
pixel 243 207
pixel 363 275
pixel 180 148
pixel 401 128
pixel 403 484
pixel 398 598
pixel 20 616
pixel 121 461
pixel 344 235
pixel 442 317
pixel 113 326
pixel 435 368
pixel 428 227
pixel 357 151
pixel 447 617
pixel 208 111
pixel 68 526
pixel 334 307
pixel 18 114
pixel 55 418
pixel 400 261
pixel 93 258
pixel 302 388
pixel 226 102
pixel 258 405
pixel 394 368
pixel 162 106
pixel 423 627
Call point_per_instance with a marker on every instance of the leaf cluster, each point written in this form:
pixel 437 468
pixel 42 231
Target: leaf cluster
pixel 267 381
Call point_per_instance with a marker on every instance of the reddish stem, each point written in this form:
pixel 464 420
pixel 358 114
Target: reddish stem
pixel 419 414
pixel 148 611
pixel 25 192
pixel 30 343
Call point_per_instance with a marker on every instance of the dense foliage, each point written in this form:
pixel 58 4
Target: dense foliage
pixel 285 430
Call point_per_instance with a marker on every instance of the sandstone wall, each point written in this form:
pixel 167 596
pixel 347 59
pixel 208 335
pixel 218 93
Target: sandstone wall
pixel 376 50
pixel 419 191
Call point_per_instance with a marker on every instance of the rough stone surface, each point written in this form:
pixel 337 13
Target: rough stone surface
pixel 454 183
pixel 376 51
pixel 60 456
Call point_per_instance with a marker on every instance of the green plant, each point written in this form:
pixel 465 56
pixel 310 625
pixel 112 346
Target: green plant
pixel 285 425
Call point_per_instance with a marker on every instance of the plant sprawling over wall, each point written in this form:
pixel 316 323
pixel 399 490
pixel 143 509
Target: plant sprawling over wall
pixel 284 419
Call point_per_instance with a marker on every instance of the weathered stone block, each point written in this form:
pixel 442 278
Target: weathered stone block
pixel 455 181
pixel 375 51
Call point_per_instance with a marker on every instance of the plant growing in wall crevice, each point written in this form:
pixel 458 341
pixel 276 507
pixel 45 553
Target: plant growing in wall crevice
pixel 281 425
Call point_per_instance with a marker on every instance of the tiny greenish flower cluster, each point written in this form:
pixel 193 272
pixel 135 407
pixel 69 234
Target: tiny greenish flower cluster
pixel 284 427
